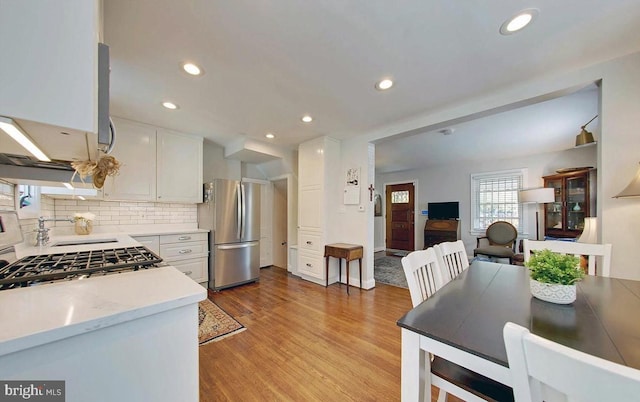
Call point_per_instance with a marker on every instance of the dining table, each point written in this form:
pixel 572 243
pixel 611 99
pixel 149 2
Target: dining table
pixel 462 322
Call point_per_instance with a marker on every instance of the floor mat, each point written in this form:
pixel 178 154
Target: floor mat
pixel 388 269
pixel 214 323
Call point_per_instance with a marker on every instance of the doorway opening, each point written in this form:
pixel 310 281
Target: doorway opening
pixel 280 224
pixel 399 218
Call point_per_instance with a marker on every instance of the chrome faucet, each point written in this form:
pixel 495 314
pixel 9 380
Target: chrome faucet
pixel 42 236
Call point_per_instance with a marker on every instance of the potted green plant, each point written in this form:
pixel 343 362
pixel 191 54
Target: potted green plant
pixel 554 276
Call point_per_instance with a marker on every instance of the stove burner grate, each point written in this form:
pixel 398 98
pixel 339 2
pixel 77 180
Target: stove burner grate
pixel 36 269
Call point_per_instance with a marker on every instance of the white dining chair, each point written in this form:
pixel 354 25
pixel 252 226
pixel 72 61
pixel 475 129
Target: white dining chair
pixel 424 277
pixel 569 247
pixel 423 274
pixel 453 258
pixel 545 370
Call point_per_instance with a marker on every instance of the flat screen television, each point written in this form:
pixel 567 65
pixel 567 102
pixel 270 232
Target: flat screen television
pixel 444 210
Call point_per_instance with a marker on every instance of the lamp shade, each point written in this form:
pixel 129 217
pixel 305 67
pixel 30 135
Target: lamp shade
pixel 633 189
pixel 584 138
pixel 589 234
pixel 537 195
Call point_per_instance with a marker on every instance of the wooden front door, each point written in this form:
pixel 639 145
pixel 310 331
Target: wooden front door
pixel 399 217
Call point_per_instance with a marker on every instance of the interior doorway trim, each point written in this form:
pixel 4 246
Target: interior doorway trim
pixel 292 217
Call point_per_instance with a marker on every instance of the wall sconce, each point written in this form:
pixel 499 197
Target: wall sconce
pixel 633 189
pixel 585 137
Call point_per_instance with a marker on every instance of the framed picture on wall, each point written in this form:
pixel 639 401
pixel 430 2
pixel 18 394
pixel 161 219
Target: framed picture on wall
pixel 377 206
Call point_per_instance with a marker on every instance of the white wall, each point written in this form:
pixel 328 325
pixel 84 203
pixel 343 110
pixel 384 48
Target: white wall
pixel 287 164
pixel 453 183
pixel 619 150
pixel 215 166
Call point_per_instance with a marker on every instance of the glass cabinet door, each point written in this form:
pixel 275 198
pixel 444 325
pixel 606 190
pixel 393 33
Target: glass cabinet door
pixel 553 210
pixel 576 203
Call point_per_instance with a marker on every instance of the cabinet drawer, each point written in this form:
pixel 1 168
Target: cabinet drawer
pixel 183 250
pixel 311 242
pixel 311 264
pixel 181 238
pixel 195 268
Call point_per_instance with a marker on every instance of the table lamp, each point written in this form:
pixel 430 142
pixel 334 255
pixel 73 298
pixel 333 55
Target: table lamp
pixel 589 233
pixel 537 196
pixel 633 189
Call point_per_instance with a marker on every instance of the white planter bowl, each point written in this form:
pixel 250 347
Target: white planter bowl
pixel 553 293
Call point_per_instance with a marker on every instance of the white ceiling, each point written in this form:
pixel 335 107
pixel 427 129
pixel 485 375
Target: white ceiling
pixel 535 129
pixel 269 62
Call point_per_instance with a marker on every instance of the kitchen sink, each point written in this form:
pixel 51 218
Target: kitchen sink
pixel 83 242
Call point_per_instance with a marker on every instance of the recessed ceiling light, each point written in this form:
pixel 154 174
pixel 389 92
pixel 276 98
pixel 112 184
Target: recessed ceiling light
pixel 170 105
pixel 384 84
pixel 307 119
pixel 518 21
pixel 270 136
pixel 192 69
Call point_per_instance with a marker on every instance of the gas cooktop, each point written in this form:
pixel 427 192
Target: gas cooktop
pixel 39 269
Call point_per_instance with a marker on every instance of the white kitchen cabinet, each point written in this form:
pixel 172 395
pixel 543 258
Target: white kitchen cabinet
pixel 136 151
pixel 179 172
pixel 318 191
pixel 188 252
pixel 155 165
pixel 49 68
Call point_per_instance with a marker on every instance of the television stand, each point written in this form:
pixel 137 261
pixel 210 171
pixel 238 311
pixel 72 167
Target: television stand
pixel 439 230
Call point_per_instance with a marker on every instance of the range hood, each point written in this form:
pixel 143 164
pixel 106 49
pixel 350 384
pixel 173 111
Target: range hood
pixel 21 167
pixel 60 144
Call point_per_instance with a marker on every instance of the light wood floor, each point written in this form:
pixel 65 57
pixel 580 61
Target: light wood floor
pixel 305 342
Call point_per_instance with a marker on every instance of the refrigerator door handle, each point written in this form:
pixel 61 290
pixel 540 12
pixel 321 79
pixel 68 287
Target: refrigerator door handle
pixel 239 212
pixel 243 218
pixel 234 246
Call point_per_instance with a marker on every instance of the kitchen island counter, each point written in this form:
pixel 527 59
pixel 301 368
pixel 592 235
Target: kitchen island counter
pixel 94 332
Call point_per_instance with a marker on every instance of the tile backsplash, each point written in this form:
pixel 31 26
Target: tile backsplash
pixel 106 212
pixel 127 212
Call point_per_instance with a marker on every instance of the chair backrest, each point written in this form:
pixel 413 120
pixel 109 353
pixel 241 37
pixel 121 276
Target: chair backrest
pixel 540 369
pixel 570 247
pixel 423 274
pixel 502 233
pixel 452 258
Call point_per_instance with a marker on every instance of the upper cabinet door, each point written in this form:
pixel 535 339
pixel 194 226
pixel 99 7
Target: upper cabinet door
pixel 136 151
pixel 311 162
pixel 49 67
pixel 179 167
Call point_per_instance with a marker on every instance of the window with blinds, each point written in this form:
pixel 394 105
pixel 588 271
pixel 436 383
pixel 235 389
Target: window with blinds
pixel 494 197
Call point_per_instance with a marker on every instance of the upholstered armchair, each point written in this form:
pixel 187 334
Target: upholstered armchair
pixel 499 241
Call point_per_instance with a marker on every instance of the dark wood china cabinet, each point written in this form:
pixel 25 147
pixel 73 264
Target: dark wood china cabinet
pixel 575 200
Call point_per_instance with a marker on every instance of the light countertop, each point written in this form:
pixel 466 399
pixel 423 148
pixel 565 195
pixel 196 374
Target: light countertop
pixel 42 314
pixel 101 241
pixel 105 237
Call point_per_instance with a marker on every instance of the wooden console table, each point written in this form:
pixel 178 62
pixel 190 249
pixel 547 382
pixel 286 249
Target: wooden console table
pixel 347 251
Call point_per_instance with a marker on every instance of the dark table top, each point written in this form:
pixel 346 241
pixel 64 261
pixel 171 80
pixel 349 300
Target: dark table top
pixel 470 312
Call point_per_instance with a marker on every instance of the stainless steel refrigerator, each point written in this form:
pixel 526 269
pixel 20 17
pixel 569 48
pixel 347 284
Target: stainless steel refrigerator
pixel 231 211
